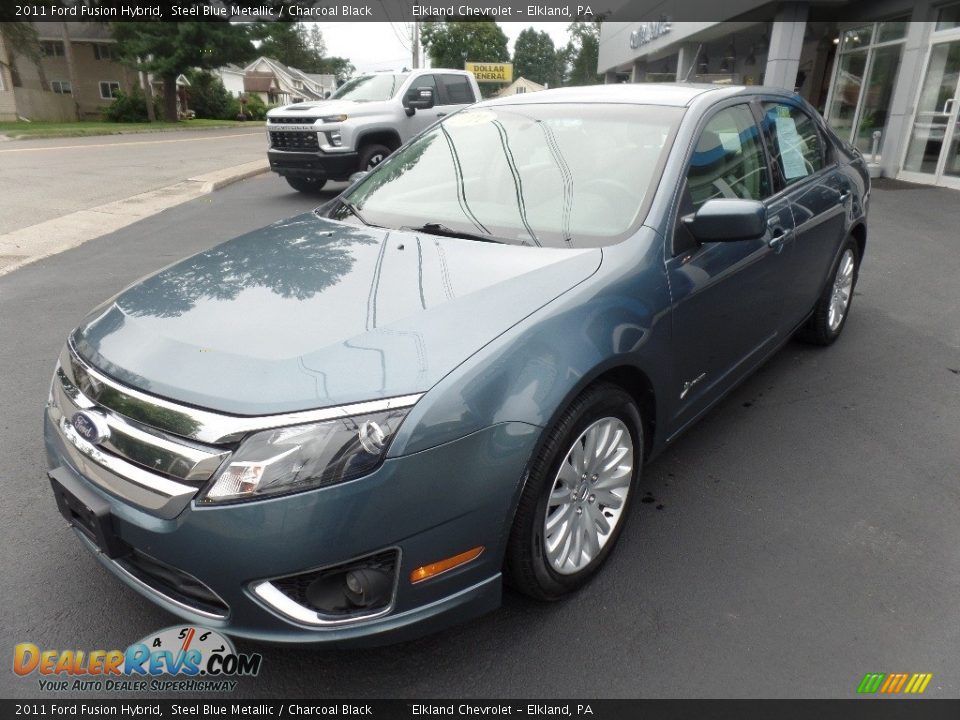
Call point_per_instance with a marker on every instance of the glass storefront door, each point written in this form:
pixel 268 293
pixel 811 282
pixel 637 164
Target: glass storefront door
pixel 933 154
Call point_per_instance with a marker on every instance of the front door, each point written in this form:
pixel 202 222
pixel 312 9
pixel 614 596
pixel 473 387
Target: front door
pixel 933 153
pixel 727 296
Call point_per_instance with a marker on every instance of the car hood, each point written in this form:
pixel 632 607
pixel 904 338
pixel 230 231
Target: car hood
pixel 329 107
pixel 308 313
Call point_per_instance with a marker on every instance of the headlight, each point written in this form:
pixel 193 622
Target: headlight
pixel 302 457
pixel 333 118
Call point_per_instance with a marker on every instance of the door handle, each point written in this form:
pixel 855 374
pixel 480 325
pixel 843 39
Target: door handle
pixel 843 197
pixel 778 239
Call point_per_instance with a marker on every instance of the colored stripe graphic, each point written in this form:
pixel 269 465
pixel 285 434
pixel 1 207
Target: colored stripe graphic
pixel 893 683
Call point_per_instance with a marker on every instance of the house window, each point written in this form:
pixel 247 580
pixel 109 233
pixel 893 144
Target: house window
pixel 52 48
pixel 61 87
pixel 109 89
pixel 521 89
pixel 949 17
pixel 104 52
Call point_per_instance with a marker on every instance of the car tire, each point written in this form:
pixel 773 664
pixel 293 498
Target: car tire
pixel 371 156
pixel 833 307
pixel 310 186
pixel 549 522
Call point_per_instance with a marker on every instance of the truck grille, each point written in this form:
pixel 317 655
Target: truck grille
pixel 293 120
pixel 293 140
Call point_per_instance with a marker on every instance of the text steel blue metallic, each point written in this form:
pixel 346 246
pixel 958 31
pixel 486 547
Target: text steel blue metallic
pixel 349 426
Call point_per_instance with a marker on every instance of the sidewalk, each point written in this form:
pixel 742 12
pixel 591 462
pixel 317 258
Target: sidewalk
pixel 58 193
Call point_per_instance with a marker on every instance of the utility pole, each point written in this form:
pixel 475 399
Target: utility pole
pixel 415 44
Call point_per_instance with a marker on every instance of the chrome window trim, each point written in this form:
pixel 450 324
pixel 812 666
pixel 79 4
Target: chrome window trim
pixel 206 426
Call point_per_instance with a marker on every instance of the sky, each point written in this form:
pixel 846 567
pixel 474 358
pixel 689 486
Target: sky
pixel 384 46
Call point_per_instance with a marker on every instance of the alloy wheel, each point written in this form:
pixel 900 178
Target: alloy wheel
pixel 588 495
pixel 842 290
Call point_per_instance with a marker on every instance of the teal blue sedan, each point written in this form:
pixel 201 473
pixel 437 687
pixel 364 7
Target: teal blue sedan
pixel 355 425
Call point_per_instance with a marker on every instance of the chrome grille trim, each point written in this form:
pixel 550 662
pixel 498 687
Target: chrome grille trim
pixel 146 449
pixel 202 425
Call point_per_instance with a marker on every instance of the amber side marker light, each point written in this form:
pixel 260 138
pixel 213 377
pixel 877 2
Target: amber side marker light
pixel 441 566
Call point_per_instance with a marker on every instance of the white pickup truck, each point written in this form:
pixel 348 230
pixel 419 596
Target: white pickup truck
pixel 368 118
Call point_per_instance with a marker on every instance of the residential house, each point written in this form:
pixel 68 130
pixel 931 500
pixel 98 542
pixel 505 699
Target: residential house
pixel 277 84
pixel 520 86
pixel 47 92
pixel 232 78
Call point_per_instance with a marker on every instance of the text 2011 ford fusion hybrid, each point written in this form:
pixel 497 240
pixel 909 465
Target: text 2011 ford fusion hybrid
pixel 353 425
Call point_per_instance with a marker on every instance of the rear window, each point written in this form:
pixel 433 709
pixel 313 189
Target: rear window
pixel 458 89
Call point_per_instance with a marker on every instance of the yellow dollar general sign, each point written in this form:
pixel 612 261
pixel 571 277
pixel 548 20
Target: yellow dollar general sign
pixel 490 72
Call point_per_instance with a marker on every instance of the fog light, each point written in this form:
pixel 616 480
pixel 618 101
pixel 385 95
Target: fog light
pixel 335 138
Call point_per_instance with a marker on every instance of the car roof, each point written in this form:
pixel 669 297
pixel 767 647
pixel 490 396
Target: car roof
pixel 669 94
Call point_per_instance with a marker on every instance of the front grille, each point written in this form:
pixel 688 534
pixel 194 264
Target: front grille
pixel 173 583
pixel 293 140
pixel 293 120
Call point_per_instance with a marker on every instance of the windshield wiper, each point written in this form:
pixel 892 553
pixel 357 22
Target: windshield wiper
pixel 434 228
pixel 356 213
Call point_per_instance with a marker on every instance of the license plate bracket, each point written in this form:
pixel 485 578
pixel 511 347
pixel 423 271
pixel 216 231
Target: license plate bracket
pixel 88 513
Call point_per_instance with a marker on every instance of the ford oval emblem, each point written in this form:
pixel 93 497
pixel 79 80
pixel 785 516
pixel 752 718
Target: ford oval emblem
pixel 90 426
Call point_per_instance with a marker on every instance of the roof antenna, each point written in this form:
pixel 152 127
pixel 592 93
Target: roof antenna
pixel 693 64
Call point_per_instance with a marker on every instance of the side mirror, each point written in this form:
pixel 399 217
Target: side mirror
pixel 728 221
pixel 420 98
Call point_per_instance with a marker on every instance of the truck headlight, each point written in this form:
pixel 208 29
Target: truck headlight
pixel 333 118
pixel 303 457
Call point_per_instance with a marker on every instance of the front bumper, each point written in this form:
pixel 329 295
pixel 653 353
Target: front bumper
pixel 313 164
pixel 429 505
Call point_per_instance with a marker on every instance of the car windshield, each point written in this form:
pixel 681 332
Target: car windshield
pixel 371 88
pixel 559 175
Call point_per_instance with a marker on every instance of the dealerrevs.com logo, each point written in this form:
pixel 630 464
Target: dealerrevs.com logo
pixel 199 660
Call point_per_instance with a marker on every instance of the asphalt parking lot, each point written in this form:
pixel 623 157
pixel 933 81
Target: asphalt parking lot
pixel 805 533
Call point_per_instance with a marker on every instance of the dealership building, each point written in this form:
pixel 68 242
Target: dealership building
pixel 885 74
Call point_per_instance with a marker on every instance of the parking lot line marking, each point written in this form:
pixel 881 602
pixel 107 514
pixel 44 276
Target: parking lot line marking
pixel 126 144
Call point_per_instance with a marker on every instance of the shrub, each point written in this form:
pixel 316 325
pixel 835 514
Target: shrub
pixel 208 98
pixel 127 107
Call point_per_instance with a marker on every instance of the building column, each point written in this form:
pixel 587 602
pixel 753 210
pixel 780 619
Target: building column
pixel 687 60
pixel 639 72
pixel 786 44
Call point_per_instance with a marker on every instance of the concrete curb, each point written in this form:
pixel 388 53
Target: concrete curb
pixel 26 245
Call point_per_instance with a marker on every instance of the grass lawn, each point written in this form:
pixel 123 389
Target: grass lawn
pixel 27 130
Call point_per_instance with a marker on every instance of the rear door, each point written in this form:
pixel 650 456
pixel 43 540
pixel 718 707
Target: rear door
pixel 727 297
pixel 807 174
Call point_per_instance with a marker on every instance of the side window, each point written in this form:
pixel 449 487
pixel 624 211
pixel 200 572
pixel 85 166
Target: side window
pixel 424 81
pixel 728 162
pixel 458 90
pixel 796 143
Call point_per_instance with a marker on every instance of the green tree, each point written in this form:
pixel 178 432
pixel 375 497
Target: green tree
pixel 168 49
pixel 293 44
pixel 451 44
pixel 208 97
pixel 535 58
pixel 582 53
pixel 339 67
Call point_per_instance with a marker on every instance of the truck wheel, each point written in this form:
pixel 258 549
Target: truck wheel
pixel 307 185
pixel 372 155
